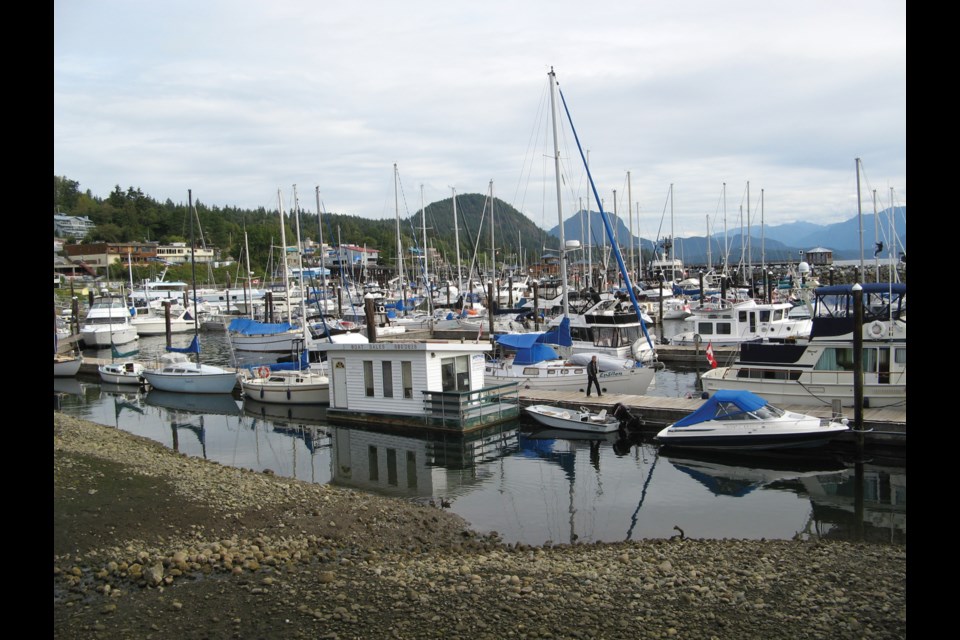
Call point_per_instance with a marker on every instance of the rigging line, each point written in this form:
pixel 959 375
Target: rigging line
pixel 606 223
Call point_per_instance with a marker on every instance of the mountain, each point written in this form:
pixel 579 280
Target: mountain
pixel 780 243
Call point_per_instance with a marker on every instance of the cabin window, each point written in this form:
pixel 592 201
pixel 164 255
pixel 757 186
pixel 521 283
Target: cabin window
pixel 455 373
pixel 900 356
pixel 724 329
pixel 531 371
pixel 368 377
pixel 604 337
pixel 704 328
pixel 373 464
pixel 742 316
pixel 765 315
pixel 835 359
pixel 406 375
pixel 387 367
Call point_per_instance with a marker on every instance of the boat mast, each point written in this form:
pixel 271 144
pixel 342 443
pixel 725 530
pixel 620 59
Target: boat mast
pixel 763 242
pixel 876 238
pixel 749 246
pixel 396 205
pixel 303 297
pixel 493 247
pixel 673 239
pixel 283 242
pixel 709 254
pixel 426 271
pixel 726 245
pixel 859 216
pixel 456 241
pixel 589 238
pixel 630 214
pixel 556 164
pixel 323 274
pixel 193 276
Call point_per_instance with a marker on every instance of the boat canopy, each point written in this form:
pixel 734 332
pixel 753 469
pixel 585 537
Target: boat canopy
pixel 248 327
pixel 534 347
pixel 723 404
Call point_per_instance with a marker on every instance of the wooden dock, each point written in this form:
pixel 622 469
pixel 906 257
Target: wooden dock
pixel 885 425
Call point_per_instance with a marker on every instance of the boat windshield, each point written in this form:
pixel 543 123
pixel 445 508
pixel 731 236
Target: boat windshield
pixel 767 412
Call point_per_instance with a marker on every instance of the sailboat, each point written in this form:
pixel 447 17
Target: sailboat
pixel 123 372
pixel 64 365
pixel 538 365
pixel 292 382
pixel 175 371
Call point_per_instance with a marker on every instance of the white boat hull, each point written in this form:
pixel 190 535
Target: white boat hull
pixel 104 335
pixel 288 389
pixel 192 378
pixel 812 388
pixel 633 381
pixel 570 420
pixel 121 373
pixel 64 366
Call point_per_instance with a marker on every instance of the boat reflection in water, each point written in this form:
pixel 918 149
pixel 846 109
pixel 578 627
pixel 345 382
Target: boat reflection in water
pixel 530 485
pixel 849 500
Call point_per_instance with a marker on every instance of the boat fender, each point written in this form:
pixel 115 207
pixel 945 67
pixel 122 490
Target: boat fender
pixel 876 328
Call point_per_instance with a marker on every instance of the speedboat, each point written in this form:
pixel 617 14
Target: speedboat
pixel 741 420
pixel 573 420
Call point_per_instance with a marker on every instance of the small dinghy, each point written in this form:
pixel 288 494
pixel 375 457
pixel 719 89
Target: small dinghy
pixel 582 420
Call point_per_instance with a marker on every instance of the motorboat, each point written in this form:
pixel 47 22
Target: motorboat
pixel 573 420
pixel 611 326
pixel 742 420
pixel 722 323
pixel 820 370
pixel 127 372
pixel 108 322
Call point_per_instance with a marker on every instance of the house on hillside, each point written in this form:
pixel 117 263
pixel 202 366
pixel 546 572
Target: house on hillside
pixel 65 226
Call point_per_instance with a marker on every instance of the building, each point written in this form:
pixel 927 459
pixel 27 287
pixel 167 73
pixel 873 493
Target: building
pixel 818 257
pixel 65 226
pixel 433 385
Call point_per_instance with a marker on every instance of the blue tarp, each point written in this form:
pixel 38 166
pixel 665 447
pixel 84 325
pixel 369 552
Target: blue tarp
pixel 247 327
pixel 534 347
pixel 720 404
pixel 193 348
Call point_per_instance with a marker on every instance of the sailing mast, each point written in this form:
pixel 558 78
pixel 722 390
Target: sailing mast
pixel 860 217
pixel 193 277
pixel 303 297
pixel 283 241
pixel 456 241
pixel 396 206
pixel 323 271
pixel 630 214
pixel 556 165
pixel 726 244
pixel 426 276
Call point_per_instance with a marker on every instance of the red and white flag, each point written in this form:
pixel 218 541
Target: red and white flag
pixel 710 358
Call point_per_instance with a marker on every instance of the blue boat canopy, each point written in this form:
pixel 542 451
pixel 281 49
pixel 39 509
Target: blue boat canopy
pixel 246 326
pixel 723 404
pixel 535 347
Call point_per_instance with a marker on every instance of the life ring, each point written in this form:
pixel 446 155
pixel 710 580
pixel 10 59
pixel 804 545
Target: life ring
pixel 263 372
pixel 876 328
pixel 381 308
pixel 472 312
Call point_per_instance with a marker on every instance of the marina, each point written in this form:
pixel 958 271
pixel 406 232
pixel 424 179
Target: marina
pixel 529 484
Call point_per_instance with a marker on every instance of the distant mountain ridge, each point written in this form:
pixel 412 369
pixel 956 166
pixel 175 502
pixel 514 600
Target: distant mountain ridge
pixel 779 243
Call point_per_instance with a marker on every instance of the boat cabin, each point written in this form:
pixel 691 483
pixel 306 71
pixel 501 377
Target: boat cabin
pixel 431 384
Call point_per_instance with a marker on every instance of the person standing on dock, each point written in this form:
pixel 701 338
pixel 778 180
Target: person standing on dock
pixel 593 369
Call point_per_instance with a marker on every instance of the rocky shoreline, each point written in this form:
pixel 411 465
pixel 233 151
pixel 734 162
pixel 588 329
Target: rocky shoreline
pixel 149 543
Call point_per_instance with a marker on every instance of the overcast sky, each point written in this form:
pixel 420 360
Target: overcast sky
pixel 240 100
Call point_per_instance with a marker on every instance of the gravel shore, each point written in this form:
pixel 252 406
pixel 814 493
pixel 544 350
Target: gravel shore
pixel 149 543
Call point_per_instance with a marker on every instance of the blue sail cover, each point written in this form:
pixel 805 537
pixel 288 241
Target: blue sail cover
pixel 534 347
pixel 718 402
pixel 248 327
pixel 193 348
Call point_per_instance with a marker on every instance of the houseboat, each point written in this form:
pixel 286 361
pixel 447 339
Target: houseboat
pixel 434 385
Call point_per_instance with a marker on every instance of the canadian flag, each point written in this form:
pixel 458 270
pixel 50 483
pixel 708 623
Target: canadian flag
pixel 710 358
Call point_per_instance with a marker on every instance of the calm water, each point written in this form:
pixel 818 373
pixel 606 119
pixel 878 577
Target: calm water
pixel 530 486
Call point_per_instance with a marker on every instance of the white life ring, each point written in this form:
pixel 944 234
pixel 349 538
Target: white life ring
pixel 263 372
pixel 381 308
pixel 876 328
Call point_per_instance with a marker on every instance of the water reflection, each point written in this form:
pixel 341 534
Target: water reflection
pixel 529 484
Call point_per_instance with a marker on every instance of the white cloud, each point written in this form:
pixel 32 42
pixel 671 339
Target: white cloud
pixel 236 100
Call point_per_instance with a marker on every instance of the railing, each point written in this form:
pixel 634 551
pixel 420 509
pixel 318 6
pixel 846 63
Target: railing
pixel 466 410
